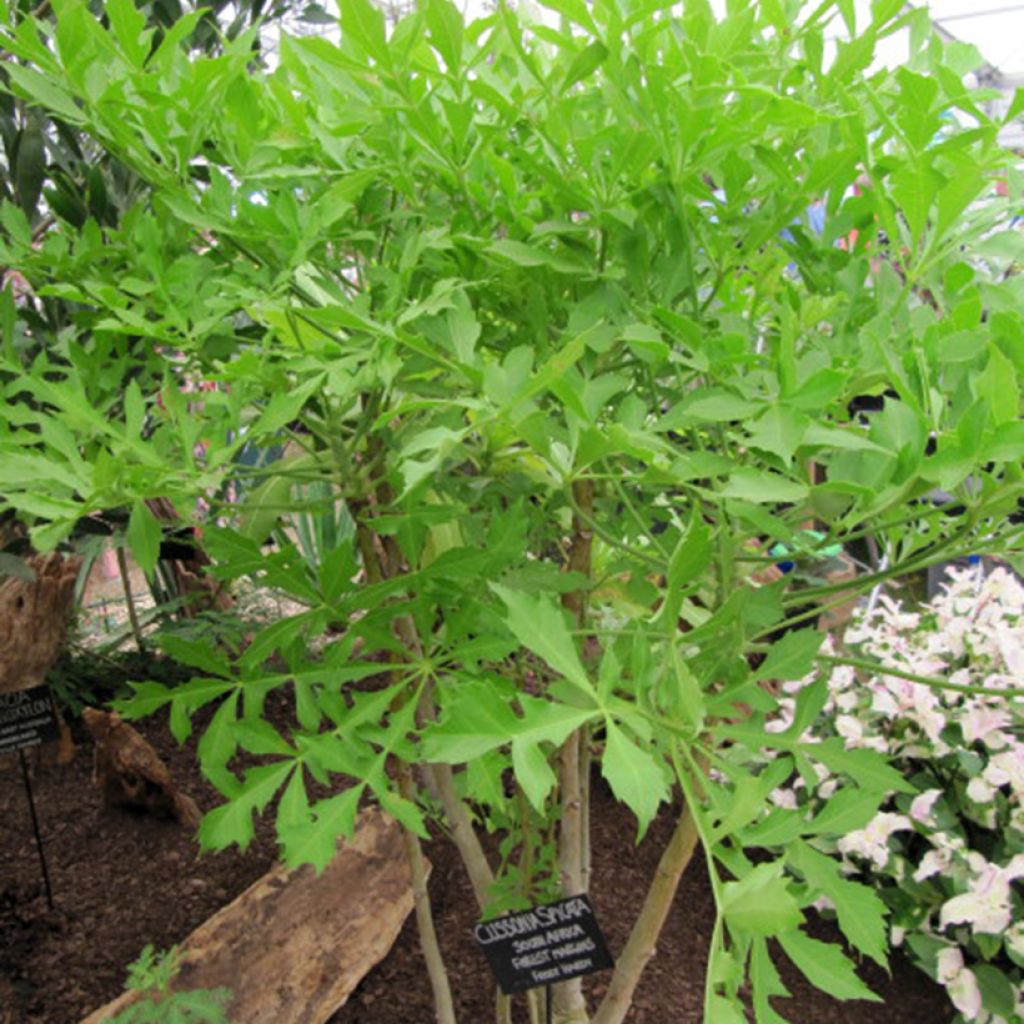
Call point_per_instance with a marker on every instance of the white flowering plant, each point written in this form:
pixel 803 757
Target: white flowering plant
pixel 948 713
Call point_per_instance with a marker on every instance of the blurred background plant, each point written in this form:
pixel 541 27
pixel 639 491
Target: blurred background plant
pixel 946 860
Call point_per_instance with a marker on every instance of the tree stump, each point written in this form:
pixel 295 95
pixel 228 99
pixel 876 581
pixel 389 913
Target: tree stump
pixel 34 626
pixel 34 619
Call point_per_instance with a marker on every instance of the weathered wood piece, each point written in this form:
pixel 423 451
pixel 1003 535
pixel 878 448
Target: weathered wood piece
pixel 293 946
pixel 131 773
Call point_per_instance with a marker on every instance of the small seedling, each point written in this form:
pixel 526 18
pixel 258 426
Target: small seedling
pixel 152 975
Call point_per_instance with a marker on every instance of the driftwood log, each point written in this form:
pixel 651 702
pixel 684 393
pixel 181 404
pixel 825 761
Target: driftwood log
pixel 130 772
pixel 34 619
pixel 293 946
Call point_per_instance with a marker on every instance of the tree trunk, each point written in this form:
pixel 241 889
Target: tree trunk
pixel 572 843
pixel 643 939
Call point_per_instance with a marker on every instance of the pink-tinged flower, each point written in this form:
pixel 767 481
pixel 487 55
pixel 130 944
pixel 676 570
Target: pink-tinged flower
pixel 1015 938
pixel 846 700
pixel 784 798
pixel 965 994
pixel 1007 768
pixel 980 791
pixel 882 701
pixel 986 904
pixel 850 728
pixel 950 962
pixel 984 723
pixel 872 842
pixel 921 808
pixel 934 862
pixel 932 722
pixel 1012 651
pixel 960 982
pixel 783 718
pixel 876 743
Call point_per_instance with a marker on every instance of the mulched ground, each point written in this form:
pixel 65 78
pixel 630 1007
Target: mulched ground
pixel 122 881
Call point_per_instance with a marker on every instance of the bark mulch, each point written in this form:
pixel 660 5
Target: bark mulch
pixel 122 881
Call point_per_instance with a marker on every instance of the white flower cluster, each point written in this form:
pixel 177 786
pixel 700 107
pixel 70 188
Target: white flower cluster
pixel 947 861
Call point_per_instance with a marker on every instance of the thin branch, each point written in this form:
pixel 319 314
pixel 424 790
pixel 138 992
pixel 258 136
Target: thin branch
pixel 424 918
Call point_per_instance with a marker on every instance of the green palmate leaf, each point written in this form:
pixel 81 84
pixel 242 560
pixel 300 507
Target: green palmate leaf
pixel 284 407
pixel 475 721
pixel 519 253
pixel 997 387
pixel 778 827
pixel 634 774
pixel 218 745
pixel 763 487
pixel 765 982
pixel 585 63
pixel 143 537
pixel 445 25
pixel 363 23
pixel 861 914
pixel 793 656
pixel 539 624
pixel 205 656
pixel 847 810
pixel 780 431
pixel 867 768
pixel 232 822
pixel 293 807
pixel 692 555
pixel 129 25
pixel 914 187
pixel 760 903
pixel 146 698
pixel 403 811
pixel 712 406
pixel 748 798
pixel 721 1010
pixel 313 839
pixel 825 966
pixel 809 702
pixel 260 737
pixel 533 772
pixel 479 719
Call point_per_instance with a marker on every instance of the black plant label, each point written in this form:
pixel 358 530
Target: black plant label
pixel 543 945
pixel 27 718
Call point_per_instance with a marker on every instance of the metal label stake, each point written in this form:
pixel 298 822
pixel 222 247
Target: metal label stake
pixel 27 718
pixel 35 828
pixel 547 1001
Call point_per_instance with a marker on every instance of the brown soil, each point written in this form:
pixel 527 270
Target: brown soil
pixel 122 881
